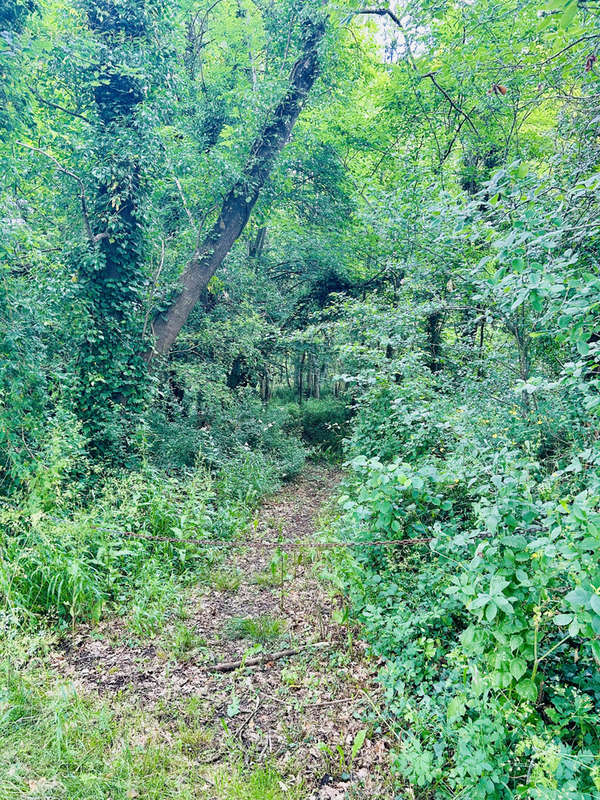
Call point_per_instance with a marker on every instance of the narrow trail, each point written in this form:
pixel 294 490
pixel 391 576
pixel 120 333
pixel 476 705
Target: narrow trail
pixel 302 712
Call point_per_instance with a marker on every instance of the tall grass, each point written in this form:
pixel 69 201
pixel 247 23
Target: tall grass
pixel 69 564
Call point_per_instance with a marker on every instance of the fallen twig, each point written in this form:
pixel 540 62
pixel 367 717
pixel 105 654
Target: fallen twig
pixel 229 666
pixel 248 719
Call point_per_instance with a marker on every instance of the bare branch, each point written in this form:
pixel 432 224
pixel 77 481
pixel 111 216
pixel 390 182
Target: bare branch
pixel 431 76
pixel 50 104
pixel 569 46
pixel 381 12
pixel 387 12
pixel 183 200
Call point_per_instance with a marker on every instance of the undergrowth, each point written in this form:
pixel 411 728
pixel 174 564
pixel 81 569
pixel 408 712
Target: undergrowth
pixel 125 548
pixel 489 629
pixel 60 745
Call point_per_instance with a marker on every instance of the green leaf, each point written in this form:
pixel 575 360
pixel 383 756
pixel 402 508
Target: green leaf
pixel 595 603
pixel 518 668
pixel 566 18
pixel 358 742
pixel 504 604
pixel 523 170
pixel 527 689
pixel 577 597
pixel 583 347
pixel 456 708
pixel 233 709
pixel 563 619
pixel 467 635
pixel 522 576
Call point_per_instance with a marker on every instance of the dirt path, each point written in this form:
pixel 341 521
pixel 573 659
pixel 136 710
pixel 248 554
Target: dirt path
pixel 303 712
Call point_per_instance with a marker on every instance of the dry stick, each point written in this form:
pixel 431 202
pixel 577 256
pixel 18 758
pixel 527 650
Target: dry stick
pixel 58 107
pixel 229 666
pixel 244 724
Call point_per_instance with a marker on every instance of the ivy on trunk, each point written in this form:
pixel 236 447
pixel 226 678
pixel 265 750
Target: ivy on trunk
pixel 112 271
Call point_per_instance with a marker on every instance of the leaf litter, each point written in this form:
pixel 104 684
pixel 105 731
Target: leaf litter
pixel 313 715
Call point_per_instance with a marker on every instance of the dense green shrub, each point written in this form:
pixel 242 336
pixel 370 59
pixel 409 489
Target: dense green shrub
pixel 231 424
pixel 490 629
pixel 322 423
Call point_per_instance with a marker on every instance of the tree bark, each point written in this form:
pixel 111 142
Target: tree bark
pixel 240 200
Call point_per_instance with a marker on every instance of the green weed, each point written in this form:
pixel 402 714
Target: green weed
pixel 225 580
pixel 258 629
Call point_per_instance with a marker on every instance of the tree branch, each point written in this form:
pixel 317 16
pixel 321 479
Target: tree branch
pixel 431 76
pixel 82 197
pixel 50 104
pixel 387 12
pixel 381 12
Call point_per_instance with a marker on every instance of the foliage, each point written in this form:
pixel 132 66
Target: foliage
pixel 71 563
pixel 489 627
pixel 322 423
pixel 258 629
pixel 418 278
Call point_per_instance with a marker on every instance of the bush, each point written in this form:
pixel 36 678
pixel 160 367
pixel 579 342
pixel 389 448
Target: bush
pixel 490 629
pixel 68 564
pixel 322 424
pixel 238 424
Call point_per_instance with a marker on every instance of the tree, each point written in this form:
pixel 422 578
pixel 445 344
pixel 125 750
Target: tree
pixel 241 198
pixel 112 265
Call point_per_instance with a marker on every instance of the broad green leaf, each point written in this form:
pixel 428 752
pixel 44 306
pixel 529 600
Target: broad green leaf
pixel 527 689
pixel 518 667
pixel 566 18
pixel 563 619
pixel 358 742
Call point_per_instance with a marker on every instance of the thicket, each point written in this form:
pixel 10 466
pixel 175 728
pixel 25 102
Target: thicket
pixel 488 618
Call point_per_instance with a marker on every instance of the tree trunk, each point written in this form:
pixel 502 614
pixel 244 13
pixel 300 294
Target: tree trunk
pixel 112 270
pixel 240 200
pixel 256 245
pixel 433 324
pixel 301 378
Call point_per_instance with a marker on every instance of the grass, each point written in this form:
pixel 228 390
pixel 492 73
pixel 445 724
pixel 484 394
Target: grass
pixel 58 744
pixel 258 629
pixel 270 577
pixel 226 580
pixel 183 643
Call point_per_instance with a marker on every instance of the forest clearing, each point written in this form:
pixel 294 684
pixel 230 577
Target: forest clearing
pixel 299 399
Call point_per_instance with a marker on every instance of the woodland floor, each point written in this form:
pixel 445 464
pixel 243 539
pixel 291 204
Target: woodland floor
pixel 301 713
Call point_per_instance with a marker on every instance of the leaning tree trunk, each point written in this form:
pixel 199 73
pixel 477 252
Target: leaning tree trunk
pixel 240 200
